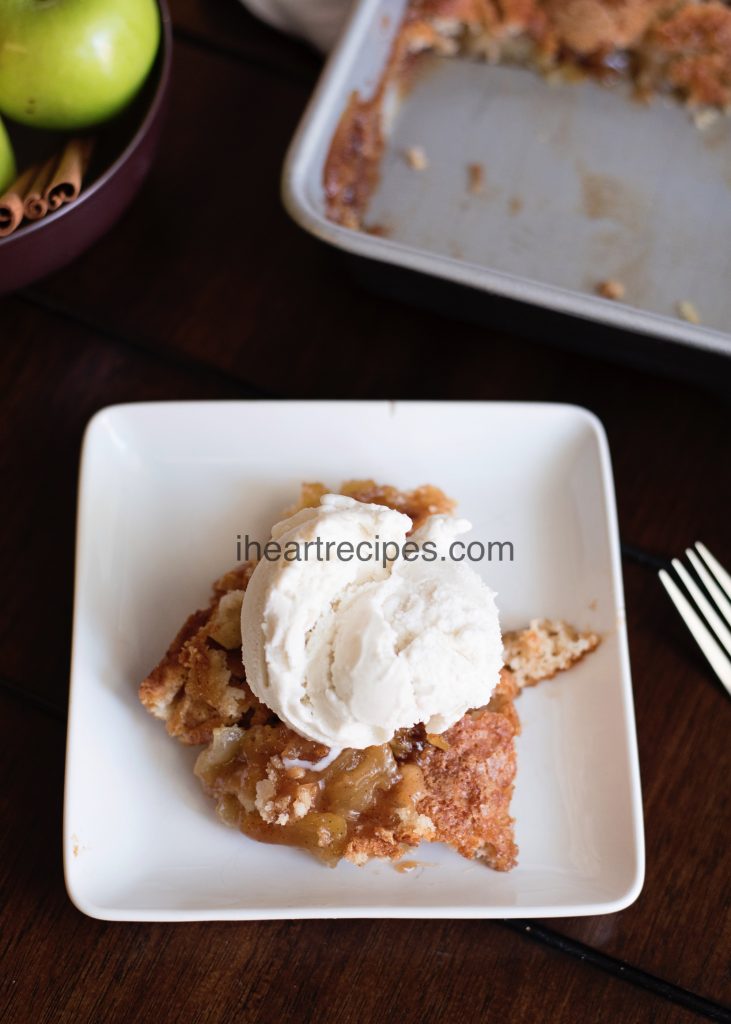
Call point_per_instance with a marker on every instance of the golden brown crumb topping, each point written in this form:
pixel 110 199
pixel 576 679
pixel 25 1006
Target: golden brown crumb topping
pixel 468 787
pixel 418 504
pixel 692 50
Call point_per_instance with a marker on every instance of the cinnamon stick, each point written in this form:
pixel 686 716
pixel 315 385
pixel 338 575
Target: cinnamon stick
pixel 11 203
pixel 35 205
pixel 65 182
pixel 45 187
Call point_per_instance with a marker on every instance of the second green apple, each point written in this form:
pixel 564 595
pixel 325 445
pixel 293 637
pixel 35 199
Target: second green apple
pixel 7 160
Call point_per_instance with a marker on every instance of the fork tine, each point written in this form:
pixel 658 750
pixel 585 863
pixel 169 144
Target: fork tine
pixel 710 584
pixel 712 618
pixel 724 579
pixel 717 659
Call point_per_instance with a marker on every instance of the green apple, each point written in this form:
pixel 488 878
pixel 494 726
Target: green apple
pixel 7 160
pixel 69 64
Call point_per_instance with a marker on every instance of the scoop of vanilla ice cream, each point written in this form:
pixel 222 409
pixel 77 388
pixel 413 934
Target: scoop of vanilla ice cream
pixel 348 651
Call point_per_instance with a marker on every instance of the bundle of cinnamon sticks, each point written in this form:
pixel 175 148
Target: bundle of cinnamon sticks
pixel 45 187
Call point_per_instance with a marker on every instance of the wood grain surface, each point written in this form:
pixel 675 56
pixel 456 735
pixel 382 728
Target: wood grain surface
pixel 207 290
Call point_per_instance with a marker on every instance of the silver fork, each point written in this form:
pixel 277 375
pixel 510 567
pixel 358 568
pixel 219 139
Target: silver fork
pixel 712 641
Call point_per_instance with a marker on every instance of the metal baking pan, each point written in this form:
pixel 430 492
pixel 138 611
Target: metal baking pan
pixel 581 184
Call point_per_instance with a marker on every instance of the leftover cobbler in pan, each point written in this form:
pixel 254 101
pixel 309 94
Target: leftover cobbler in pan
pixel 377 709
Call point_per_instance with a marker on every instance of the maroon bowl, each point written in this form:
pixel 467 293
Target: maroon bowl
pixel 123 155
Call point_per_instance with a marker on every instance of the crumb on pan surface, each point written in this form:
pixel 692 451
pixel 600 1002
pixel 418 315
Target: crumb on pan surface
pixel 611 289
pixel 687 311
pixel 416 158
pixel 476 178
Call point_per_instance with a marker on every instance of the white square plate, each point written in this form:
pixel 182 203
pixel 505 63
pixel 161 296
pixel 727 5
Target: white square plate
pixel 165 489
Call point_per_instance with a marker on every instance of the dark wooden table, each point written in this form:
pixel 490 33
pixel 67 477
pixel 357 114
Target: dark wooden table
pixel 180 302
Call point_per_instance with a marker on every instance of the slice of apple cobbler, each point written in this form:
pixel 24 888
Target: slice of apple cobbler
pixel 278 787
